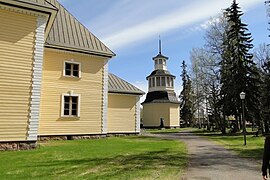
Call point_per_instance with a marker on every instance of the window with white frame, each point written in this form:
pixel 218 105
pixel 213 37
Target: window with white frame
pixel 72 69
pixel 70 105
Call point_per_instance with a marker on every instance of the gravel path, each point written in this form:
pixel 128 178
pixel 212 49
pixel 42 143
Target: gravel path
pixel 209 161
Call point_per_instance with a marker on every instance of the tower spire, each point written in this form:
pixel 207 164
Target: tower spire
pixel 159 45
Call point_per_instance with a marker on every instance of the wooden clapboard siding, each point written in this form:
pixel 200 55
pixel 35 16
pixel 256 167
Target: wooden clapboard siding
pixel 174 115
pixel 152 112
pixel 89 86
pixel 17 36
pixel 121 113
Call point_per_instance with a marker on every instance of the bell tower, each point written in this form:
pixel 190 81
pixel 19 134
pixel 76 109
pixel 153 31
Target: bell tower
pixel 161 106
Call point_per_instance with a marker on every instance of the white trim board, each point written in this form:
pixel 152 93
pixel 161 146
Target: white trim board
pixel 33 121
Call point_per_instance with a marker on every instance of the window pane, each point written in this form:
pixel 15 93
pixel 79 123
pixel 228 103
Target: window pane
pixel 158 81
pixel 160 61
pixel 66 112
pixel 154 82
pixel 66 106
pixel 68 69
pixel 162 81
pixel 74 112
pixel 76 70
pixel 68 72
pixel 68 66
pixel 76 67
pixel 168 82
pixel 76 73
pixel 66 99
pixel 74 106
pixel 74 99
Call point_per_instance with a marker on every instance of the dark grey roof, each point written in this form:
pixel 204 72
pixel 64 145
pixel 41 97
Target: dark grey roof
pixel 68 33
pixel 161 97
pixel 160 56
pixel 160 72
pixel 118 85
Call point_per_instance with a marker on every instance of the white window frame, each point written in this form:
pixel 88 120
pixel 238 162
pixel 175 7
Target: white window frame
pixel 70 94
pixel 72 62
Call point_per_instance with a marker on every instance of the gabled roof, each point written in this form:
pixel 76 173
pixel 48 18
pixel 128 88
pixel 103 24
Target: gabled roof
pixel 118 85
pixel 69 34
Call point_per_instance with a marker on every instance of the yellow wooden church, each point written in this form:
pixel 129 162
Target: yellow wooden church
pixel 161 106
pixel 55 80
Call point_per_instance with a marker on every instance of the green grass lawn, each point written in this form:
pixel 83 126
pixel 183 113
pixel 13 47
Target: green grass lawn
pixel 235 142
pixel 110 158
pixel 253 149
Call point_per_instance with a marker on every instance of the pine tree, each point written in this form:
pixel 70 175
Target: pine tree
pixel 185 97
pixel 238 71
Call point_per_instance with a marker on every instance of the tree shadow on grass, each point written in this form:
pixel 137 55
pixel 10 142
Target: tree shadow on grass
pixel 112 167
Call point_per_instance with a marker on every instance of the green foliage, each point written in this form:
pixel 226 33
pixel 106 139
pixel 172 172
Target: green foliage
pixel 238 70
pixel 186 104
pixel 111 158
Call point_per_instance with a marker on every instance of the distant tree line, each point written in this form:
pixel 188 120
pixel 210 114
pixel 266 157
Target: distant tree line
pixel 223 68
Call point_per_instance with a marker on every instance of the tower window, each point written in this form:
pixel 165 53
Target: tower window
pixel 168 81
pixel 172 82
pixel 153 82
pixel 158 81
pixel 162 81
pixel 150 82
pixel 156 62
pixel 160 61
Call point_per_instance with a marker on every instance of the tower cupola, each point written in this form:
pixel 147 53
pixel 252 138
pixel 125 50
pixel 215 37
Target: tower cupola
pixel 160 60
pixel 160 79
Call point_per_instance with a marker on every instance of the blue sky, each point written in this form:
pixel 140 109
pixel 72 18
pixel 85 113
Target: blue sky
pixel 131 29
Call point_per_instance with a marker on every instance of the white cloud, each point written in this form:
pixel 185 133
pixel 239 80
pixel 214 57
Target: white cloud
pixel 191 14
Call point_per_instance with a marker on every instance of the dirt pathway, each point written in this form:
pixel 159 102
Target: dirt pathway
pixel 209 161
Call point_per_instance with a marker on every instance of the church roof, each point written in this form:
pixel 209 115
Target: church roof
pixel 68 33
pixel 160 72
pixel 161 97
pixel 118 85
pixel 64 30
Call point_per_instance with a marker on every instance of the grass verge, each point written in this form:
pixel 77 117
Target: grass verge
pixel 111 158
pixel 235 142
pixel 253 149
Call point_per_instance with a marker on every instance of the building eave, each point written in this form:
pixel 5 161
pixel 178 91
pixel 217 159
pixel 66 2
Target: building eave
pixel 126 92
pixel 49 12
pixel 83 51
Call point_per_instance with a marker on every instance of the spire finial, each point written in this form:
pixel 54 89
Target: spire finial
pixel 159 45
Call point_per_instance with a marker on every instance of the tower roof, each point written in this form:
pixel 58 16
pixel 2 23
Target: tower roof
pixel 160 72
pixel 161 97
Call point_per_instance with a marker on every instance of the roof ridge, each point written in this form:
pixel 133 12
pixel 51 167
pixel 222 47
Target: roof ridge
pixel 70 34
